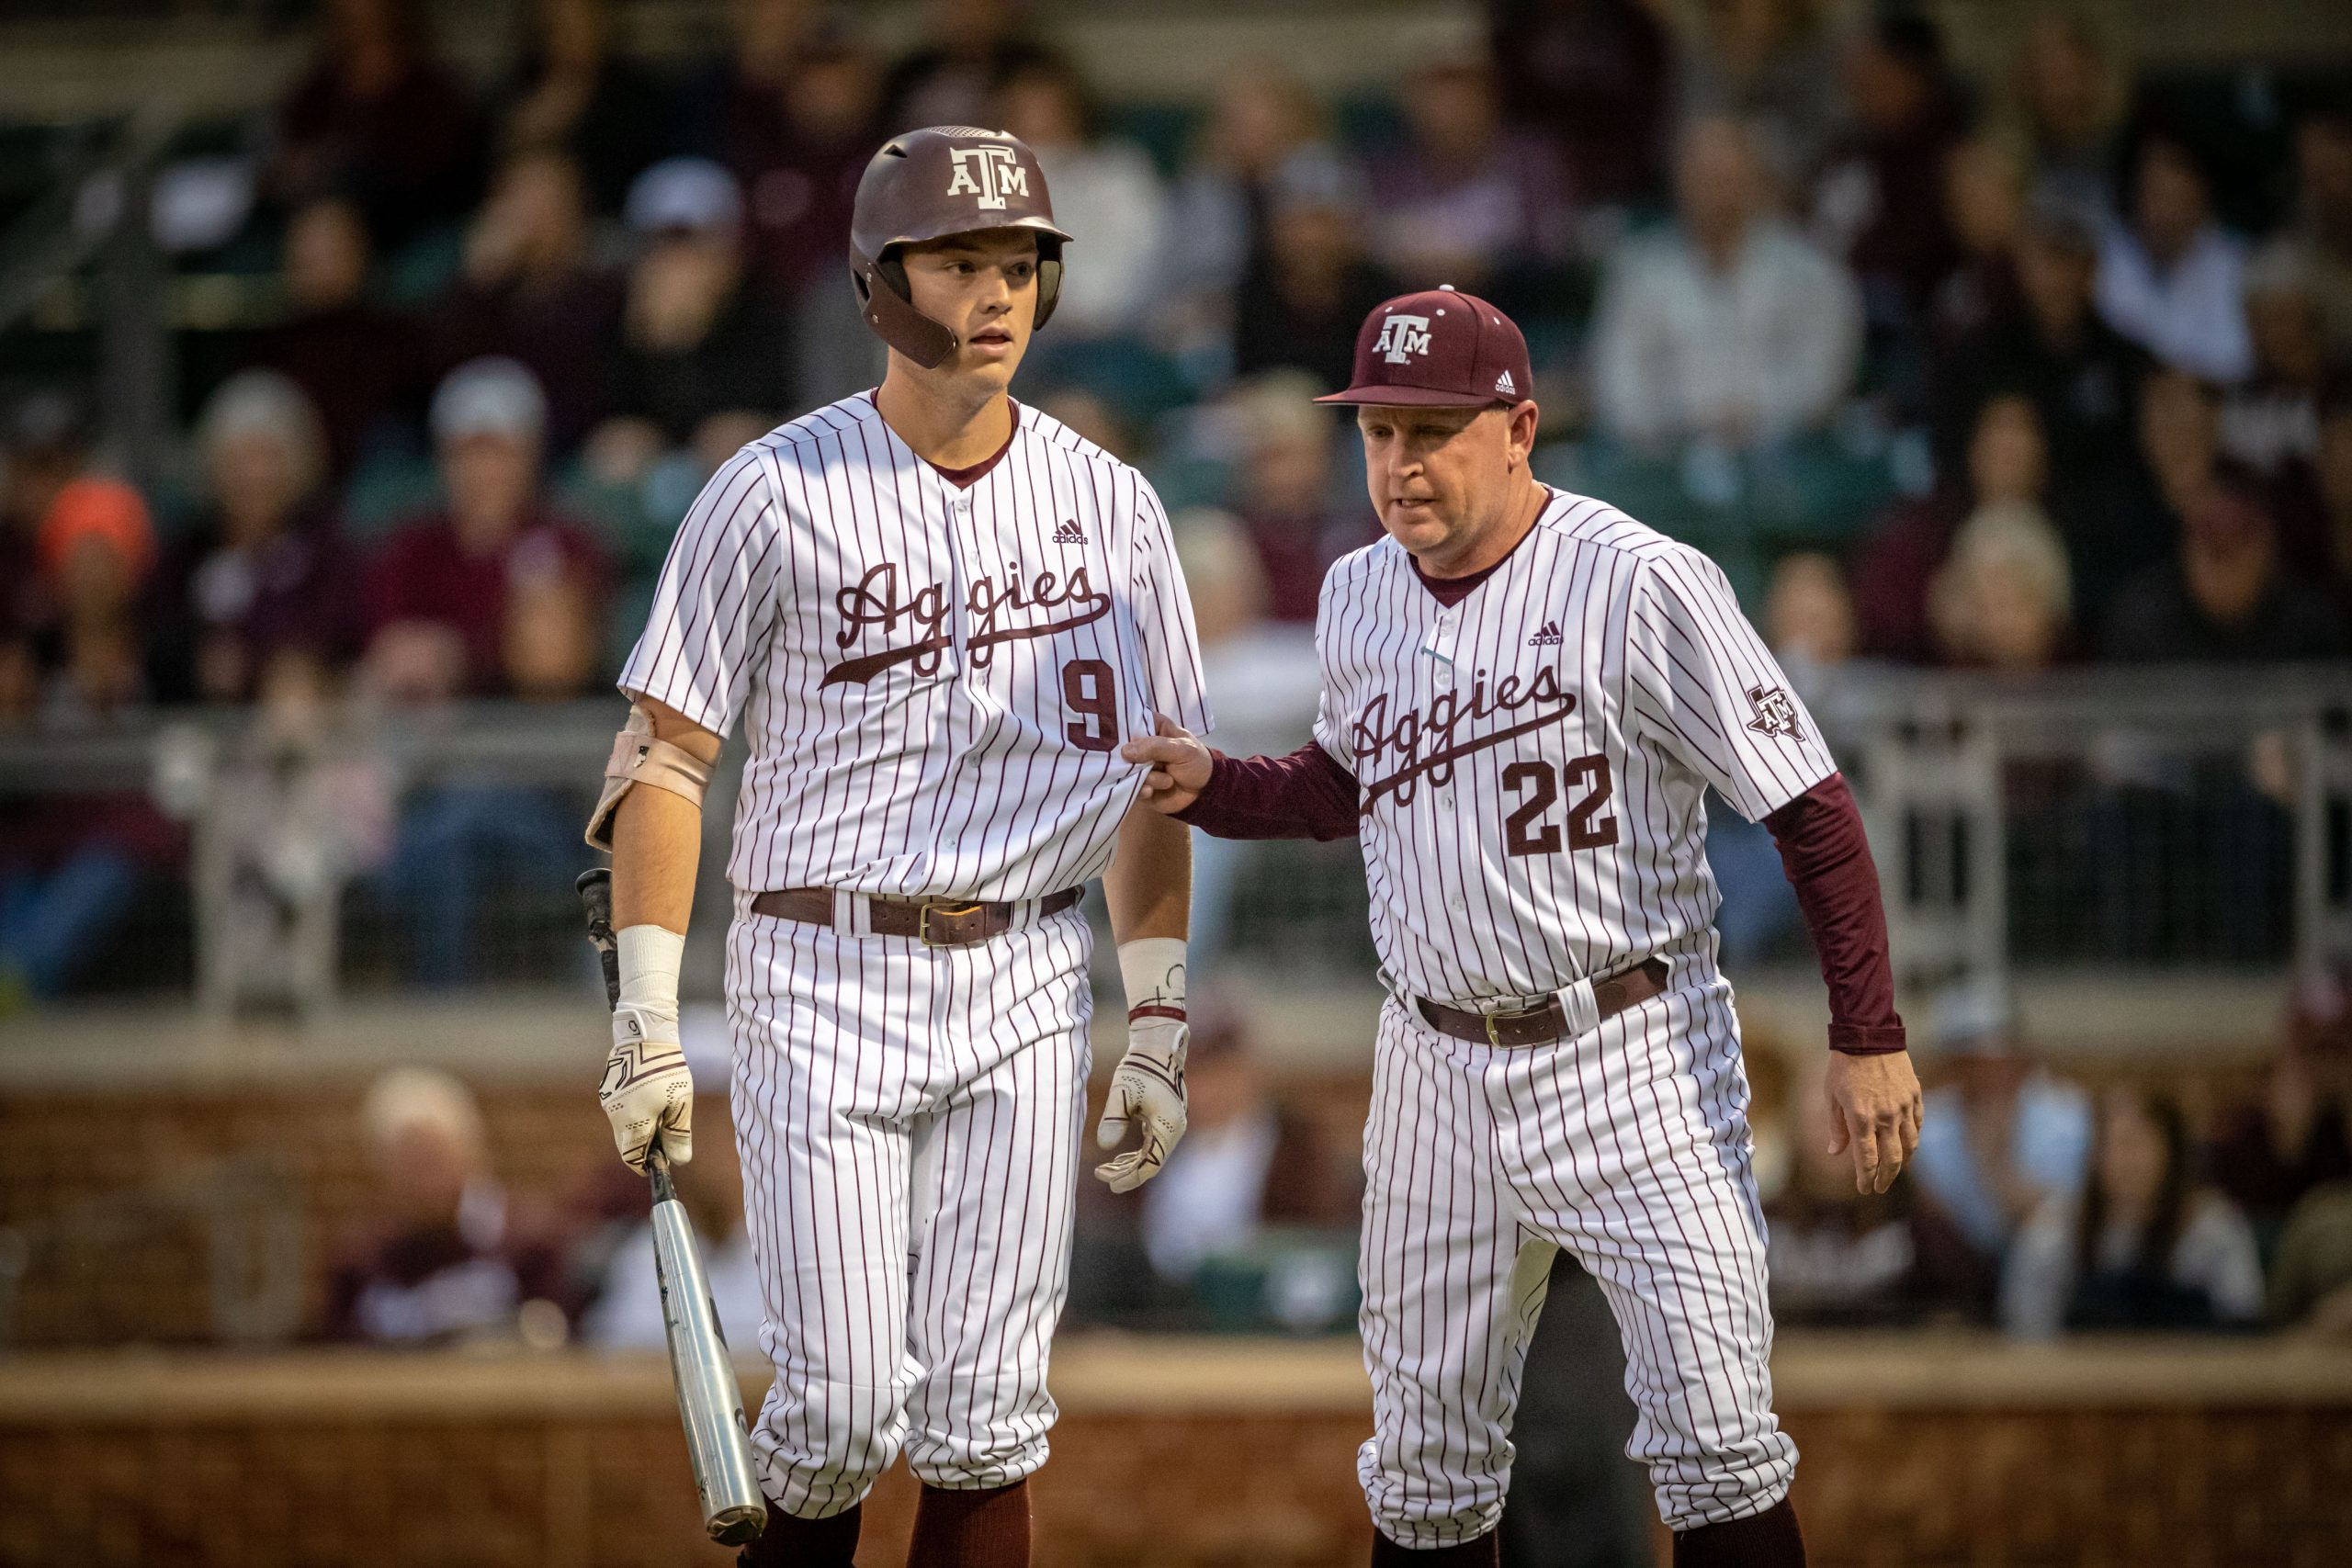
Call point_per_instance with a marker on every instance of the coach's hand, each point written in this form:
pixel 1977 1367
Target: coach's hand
pixel 1180 762
pixel 1874 1111
pixel 1147 1095
pixel 647 1088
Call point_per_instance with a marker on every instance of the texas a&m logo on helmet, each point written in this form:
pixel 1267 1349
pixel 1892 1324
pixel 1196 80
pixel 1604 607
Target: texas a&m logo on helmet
pixel 987 174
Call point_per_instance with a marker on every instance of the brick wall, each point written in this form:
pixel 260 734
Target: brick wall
pixel 567 1482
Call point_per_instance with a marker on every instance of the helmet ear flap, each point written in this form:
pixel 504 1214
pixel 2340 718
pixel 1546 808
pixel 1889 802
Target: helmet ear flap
pixel 1050 278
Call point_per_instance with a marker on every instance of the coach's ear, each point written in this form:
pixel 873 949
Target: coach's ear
pixel 1524 416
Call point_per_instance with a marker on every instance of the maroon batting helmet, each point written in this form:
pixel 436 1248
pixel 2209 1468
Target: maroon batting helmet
pixel 927 184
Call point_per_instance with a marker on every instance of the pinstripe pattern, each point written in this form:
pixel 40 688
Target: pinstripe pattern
pixel 909 1119
pixel 932 683
pixel 1502 869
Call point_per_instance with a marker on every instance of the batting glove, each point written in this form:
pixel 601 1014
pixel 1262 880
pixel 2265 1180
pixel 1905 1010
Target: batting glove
pixel 1147 1092
pixel 647 1088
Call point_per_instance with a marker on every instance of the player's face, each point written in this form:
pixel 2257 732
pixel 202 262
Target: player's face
pixel 1441 478
pixel 984 287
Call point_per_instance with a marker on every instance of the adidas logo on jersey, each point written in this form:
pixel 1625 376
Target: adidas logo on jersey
pixel 1548 634
pixel 1505 387
pixel 1069 533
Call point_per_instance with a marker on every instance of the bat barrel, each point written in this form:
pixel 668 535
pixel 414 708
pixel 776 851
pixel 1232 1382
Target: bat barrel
pixel 710 1401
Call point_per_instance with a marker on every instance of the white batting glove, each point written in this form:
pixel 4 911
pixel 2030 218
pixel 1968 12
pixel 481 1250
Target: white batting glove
pixel 1147 1091
pixel 647 1088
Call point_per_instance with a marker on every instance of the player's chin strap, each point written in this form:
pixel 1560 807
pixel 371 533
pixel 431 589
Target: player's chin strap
pixel 641 756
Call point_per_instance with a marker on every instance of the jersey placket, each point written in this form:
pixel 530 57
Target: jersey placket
pixel 1435 673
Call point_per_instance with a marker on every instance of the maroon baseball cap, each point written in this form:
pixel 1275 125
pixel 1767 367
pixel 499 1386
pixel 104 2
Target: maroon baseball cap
pixel 1440 348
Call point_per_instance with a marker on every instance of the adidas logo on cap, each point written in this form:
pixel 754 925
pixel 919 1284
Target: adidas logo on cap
pixel 1503 385
pixel 1548 634
pixel 1069 533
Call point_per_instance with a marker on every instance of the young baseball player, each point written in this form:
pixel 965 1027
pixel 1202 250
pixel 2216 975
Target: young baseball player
pixel 1526 695
pixel 937 613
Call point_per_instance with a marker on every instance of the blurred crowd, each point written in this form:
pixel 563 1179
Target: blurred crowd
pixel 2040 366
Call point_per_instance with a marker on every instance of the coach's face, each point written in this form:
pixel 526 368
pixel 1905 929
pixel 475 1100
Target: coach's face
pixel 984 287
pixel 1443 479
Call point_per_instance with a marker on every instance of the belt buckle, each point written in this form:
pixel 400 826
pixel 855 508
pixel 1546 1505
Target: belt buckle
pixel 1493 1038
pixel 951 911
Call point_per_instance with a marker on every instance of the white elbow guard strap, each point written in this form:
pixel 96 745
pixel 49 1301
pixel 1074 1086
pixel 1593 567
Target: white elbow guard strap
pixel 639 757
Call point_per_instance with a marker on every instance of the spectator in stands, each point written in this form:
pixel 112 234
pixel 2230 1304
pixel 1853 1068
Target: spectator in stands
pixel 2083 381
pixel 1465 201
pixel 1283 493
pixel 2311 1283
pixel 362 367
pixel 530 291
pixel 1265 125
pixel 70 865
pixel 969 48
pixel 1251 1163
pixel 2009 467
pixel 1841 1259
pixel 698 341
pixel 2270 1151
pixel 797 122
pixel 262 573
pixel 2141 1247
pixel 1596 77
pixel 2333 480
pixel 2172 280
pixel 2001 1134
pixel 447 1255
pixel 627 1311
pixel 2003 599
pixel 1732 328
pixel 2321 236
pixel 1868 205
pixel 97 549
pixel 1984 188
pixel 1302 309
pixel 1105 190
pixel 570 92
pixel 2071 102
pixel 438 594
pixel 2270 424
pixel 1768 62
pixel 379 117
pixel 2224 596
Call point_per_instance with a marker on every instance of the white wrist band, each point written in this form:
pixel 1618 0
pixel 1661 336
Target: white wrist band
pixel 1153 970
pixel 650 959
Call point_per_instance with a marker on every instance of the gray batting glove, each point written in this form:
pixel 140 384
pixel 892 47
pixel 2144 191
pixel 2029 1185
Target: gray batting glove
pixel 1146 1093
pixel 647 1088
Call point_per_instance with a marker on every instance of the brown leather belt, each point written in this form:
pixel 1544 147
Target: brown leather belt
pixel 935 923
pixel 1547 1024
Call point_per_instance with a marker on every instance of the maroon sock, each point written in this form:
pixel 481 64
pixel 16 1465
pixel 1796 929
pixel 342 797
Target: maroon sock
pixel 787 1542
pixel 1484 1552
pixel 1768 1540
pixel 988 1529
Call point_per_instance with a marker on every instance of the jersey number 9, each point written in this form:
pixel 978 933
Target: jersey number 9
pixel 1091 691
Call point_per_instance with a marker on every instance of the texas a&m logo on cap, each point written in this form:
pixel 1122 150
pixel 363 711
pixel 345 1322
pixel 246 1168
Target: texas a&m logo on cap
pixel 988 174
pixel 1402 337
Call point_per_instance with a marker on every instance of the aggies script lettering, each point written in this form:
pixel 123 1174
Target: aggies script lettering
pixel 873 601
pixel 1373 737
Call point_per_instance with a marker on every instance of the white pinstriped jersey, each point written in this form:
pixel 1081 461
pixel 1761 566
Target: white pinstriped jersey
pixel 933 681
pixel 1533 762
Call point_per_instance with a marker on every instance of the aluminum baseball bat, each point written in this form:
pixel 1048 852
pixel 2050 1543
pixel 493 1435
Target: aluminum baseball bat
pixel 710 1401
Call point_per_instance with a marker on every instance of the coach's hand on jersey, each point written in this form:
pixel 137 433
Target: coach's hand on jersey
pixel 1874 1111
pixel 1181 765
pixel 647 1088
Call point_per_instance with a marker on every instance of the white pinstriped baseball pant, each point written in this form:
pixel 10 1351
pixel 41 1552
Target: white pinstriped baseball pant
pixel 909 1119
pixel 1629 1146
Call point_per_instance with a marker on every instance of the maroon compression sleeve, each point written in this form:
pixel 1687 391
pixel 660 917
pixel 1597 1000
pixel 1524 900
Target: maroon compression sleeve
pixel 1828 859
pixel 1303 795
